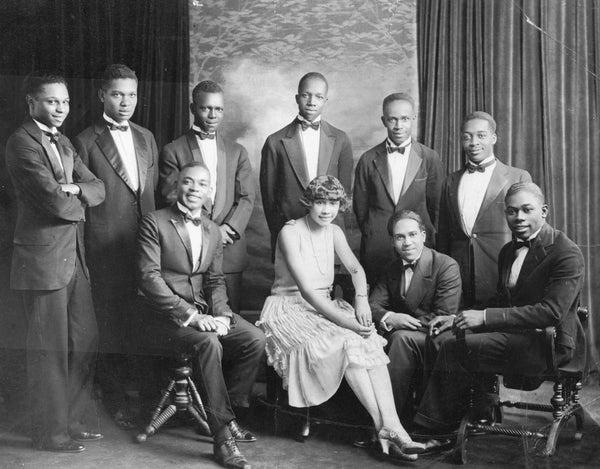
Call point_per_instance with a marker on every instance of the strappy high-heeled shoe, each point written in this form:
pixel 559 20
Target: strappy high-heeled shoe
pixel 405 445
pixel 391 450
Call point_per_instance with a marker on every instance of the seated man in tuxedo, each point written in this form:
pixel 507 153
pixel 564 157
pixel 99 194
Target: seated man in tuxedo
pixel 416 296
pixel 541 276
pixel 184 309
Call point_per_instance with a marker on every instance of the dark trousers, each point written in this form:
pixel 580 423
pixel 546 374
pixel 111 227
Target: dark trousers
pixel 224 368
pixel 233 282
pixel 62 339
pixel 444 402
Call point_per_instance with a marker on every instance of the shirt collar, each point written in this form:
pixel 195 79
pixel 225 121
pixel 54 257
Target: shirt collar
pixel 492 157
pixel 112 121
pixel 302 119
pixel 404 262
pixel 195 128
pixel 44 127
pixel 185 210
pixel 405 144
pixel 534 235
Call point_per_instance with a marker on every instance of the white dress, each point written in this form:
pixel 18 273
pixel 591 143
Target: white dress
pixel 307 350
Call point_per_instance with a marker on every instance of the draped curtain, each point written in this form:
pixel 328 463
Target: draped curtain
pixel 535 66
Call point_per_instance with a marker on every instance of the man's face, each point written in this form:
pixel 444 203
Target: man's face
pixel 525 214
pixel 398 117
pixel 119 99
pixel 207 109
pixel 478 140
pixel 50 105
pixel 408 239
pixel 193 187
pixel 311 98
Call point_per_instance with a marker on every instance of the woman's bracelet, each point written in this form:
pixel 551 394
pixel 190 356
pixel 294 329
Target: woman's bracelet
pixel 358 295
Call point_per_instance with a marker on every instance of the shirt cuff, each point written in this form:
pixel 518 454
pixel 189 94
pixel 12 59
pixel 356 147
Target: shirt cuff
pixel 484 316
pixel 189 319
pixel 383 324
pixel 225 320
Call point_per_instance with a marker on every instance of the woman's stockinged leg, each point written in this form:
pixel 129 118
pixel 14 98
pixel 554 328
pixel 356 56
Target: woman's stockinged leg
pixel 359 381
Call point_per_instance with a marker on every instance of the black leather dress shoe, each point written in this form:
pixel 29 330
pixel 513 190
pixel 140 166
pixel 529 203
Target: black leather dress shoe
pixel 69 446
pixel 228 455
pixel 240 434
pixel 86 436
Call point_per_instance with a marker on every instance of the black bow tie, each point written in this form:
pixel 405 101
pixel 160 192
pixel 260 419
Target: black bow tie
pixel 112 126
pixel 411 265
pixel 204 135
pixel 522 244
pixel 52 136
pixel 305 124
pixel 188 217
pixel 391 149
pixel 471 168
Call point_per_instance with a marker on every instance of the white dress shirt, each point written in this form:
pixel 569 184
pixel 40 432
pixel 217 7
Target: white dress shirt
pixel 471 191
pixel 208 147
pixel 45 128
pixel 515 269
pixel 124 143
pixel 397 163
pixel 311 139
pixel 195 233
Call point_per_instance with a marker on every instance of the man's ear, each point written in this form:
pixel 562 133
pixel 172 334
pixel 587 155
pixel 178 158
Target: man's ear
pixel 101 94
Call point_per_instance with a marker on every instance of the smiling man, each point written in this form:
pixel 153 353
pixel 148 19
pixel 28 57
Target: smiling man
pixel 292 157
pixel 231 198
pixel 416 297
pixel 471 228
pixel 52 189
pixel 397 174
pixel 123 155
pixel 184 309
pixel 541 276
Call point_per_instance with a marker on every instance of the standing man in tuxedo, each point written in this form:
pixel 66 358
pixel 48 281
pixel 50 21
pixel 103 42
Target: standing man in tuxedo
pixel 183 307
pixel 541 276
pixel 416 297
pixel 293 156
pixel 397 174
pixel 472 229
pixel 231 198
pixel 125 157
pixel 52 189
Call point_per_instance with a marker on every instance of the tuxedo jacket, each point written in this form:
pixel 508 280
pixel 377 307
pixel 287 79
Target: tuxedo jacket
pixel 166 278
pixel 284 174
pixel 374 203
pixel 546 293
pixel 111 228
pixel 49 228
pixel 234 199
pixel 477 255
pixel 434 289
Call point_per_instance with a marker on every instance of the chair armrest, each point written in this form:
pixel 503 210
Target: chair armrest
pixel 549 336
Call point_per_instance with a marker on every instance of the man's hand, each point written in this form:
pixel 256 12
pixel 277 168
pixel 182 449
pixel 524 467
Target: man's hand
pixel 223 324
pixel 440 324
pixel 363 311
pixel 468 319
pixel 204 323
pixel 402 321
pixel 71 188
pixel 228 234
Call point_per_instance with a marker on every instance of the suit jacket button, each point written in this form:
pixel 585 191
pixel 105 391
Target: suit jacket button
pixel 474 235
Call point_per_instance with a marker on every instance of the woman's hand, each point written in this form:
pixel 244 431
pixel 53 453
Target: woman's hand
pixel 354 325
pixel 363 311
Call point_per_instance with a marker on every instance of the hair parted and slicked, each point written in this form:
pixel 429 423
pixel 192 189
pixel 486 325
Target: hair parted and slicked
pixel 310 76
pixel 529 187
pixel 116 72
pixel 33 82
pixel 325 188
pixel 480 115
pixel 398 97
pixel 206 86
pixel 404 215
pixel 194 164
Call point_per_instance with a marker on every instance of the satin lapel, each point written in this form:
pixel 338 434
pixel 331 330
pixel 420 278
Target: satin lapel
pixel 108 147
pixel 67 160
pixel 197 156
pixel 222 179
pixel 497 183
pixel 381 164
pixel 506 267
pixel 295 153
pixel 36 133
pixel 540 249
pixel 326 144
pixel 179 225
pixel 421 280
pixel 453 195
pixel 142 156
pixel 414 163
pixel 207 246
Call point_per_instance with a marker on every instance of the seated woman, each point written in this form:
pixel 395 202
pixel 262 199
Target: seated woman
pixel 314 341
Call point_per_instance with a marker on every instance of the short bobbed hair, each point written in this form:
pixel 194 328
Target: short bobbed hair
pixel 404 215
pixel 325 188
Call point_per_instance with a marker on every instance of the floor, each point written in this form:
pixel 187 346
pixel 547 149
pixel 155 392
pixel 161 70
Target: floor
pixel 328 446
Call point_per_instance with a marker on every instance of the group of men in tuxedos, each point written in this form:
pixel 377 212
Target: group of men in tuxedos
pixel 171 278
